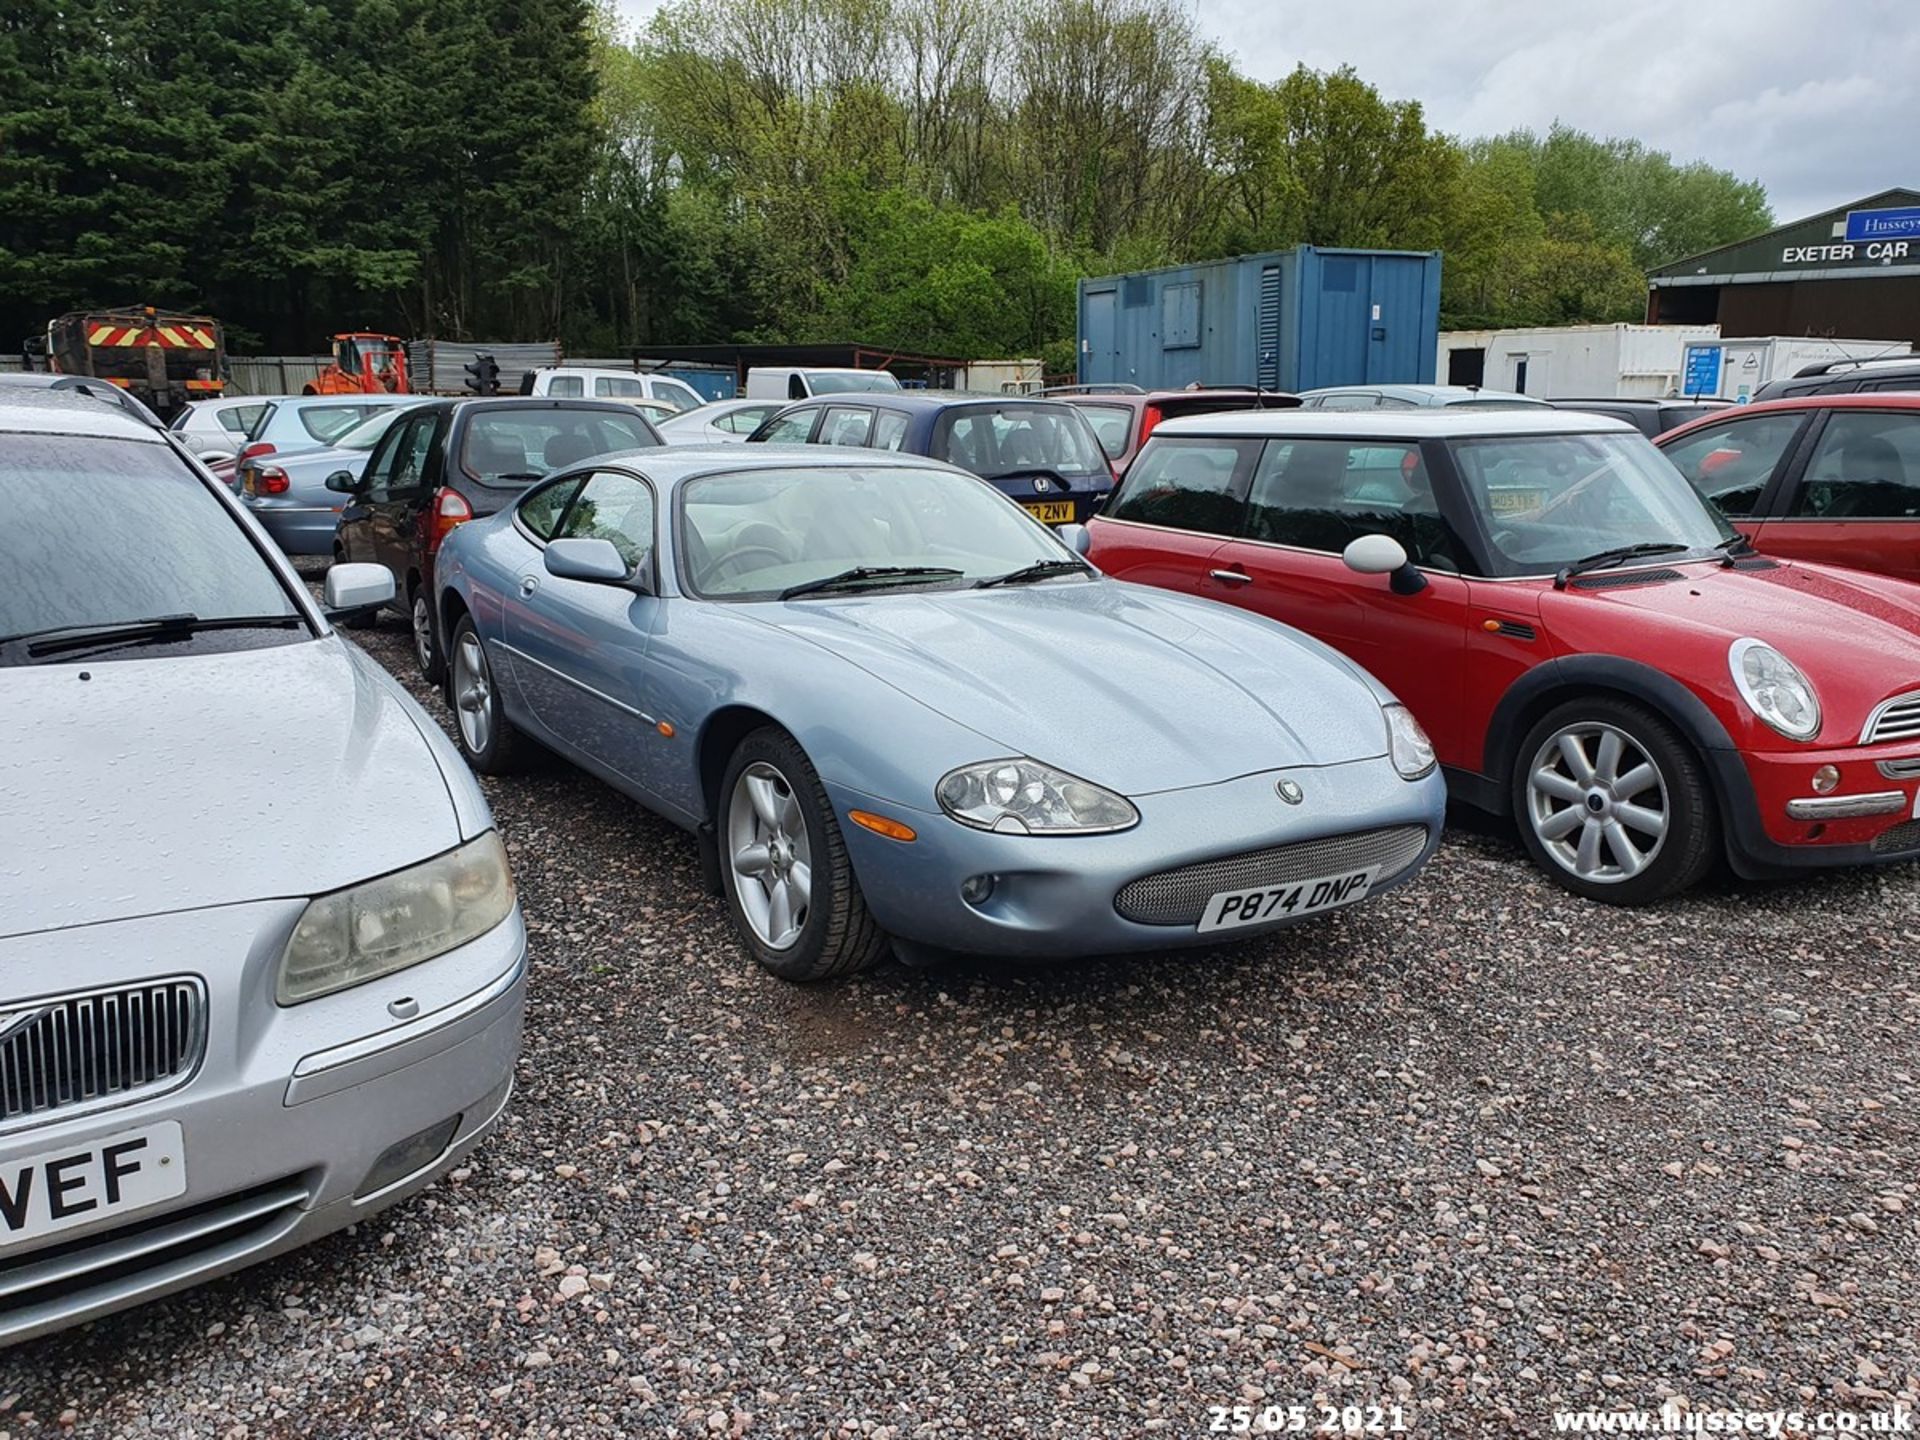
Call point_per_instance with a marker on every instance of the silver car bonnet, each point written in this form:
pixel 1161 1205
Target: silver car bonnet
pixel 1128 687
pixel 173 783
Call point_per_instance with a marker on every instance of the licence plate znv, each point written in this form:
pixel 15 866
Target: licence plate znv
pixel 74 1184
pixel 1053 512
pixel 1231 909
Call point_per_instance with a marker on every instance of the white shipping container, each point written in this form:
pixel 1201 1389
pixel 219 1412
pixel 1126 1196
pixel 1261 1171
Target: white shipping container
pixel 1747 364
pixel 1573 362
pixel 1001 377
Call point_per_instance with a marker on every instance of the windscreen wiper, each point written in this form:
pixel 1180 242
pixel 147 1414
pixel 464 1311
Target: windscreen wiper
pixel 61 639
pixel 1735 546
pixel 1027 574
pixel 861 574
pixel 1619 555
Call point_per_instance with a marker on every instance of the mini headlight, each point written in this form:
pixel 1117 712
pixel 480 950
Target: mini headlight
pixel 1023 797
pixel 1407 743
pixel 356 935
pixel 1774 688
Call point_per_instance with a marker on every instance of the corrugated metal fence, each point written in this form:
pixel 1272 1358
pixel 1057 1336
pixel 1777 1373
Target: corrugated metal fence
pixel 274 374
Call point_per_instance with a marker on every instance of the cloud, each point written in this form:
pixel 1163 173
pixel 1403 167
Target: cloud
pixel 1816 99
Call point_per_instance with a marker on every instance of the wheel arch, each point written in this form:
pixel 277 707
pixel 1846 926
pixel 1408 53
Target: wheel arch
pixel 1569 678
pixel 719 735
pixel 453 606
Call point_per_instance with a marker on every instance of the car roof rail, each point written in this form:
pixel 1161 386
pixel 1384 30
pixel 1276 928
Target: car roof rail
pixel 1828 367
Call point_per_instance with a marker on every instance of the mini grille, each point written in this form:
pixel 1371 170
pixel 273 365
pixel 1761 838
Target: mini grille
pixel 79 1049
pixel 1631 577
pixel 1177 897
pixel 1904 836
pixel 1898 719
pixel 1900 769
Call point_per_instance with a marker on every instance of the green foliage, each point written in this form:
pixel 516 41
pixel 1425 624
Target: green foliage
pixel 929 177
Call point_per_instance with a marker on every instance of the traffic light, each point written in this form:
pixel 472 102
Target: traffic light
pixel 483 375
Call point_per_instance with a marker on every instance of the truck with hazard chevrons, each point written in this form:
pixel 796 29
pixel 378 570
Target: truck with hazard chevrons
pixel 165 358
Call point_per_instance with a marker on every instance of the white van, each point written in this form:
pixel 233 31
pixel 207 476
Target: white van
pixel 577 382
pixel 803 382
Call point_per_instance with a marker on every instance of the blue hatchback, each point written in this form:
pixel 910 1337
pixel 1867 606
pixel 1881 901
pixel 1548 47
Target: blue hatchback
pixel 1040 453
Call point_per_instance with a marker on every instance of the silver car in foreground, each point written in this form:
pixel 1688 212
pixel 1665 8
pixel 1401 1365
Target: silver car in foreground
pixel 262 971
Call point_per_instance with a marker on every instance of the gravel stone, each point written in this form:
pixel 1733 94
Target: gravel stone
pixel 1477 1149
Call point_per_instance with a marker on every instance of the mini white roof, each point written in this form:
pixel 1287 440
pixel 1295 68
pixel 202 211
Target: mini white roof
pixel 1424 424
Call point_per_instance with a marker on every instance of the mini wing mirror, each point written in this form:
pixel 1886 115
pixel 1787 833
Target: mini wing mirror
pixel 350 588
pixel 1384 555
pixel 1075 538
pixel 587 558
pixel 343 482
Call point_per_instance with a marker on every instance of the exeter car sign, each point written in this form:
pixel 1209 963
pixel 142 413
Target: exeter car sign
pixel 1894 224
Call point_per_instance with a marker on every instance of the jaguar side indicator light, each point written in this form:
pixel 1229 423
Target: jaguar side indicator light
pixel 881 825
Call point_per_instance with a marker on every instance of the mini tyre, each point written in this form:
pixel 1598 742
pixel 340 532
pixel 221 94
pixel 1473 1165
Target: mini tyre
pixel 1612 804
pixel 485 735
pixel 789 882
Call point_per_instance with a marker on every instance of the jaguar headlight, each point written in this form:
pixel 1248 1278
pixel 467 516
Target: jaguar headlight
pixel 1407 743
pixel 1774 689
pixel 376 928
pixel 1023 797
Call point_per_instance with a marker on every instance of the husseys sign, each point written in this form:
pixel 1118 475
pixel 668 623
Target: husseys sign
pixel 1868 237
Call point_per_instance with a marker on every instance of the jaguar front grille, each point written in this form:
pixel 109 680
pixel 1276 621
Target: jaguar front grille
pixel 1177 897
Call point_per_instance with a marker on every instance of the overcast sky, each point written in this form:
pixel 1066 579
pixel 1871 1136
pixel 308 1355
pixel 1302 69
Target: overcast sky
pixel 1819 100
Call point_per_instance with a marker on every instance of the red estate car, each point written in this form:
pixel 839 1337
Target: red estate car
pixel 1834 478
pixel 1591 647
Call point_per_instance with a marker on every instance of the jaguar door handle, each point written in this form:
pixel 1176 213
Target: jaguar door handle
pixel 1231 577
pixel 528 585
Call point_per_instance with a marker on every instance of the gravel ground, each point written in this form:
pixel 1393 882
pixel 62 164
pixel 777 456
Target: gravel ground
pixel 1476 1149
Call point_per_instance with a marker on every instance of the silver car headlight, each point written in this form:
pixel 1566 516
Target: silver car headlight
pixel 369 930
pixel 1023 797
pixel 1407 743
pixel 1774 688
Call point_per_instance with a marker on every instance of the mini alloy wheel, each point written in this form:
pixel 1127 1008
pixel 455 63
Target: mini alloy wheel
pixel 1597 802
pixel 1612 803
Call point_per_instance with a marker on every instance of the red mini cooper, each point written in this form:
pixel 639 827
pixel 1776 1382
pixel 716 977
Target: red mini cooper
pixel 1592 648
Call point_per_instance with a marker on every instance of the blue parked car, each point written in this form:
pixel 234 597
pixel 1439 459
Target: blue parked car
pixel 894 708
pixel 1040 452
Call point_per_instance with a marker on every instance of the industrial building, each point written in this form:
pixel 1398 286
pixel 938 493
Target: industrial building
pixel 1287 320
pixel 1853 270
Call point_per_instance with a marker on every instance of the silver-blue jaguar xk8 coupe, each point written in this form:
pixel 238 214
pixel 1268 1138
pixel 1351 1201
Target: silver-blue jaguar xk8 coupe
pixel 895 708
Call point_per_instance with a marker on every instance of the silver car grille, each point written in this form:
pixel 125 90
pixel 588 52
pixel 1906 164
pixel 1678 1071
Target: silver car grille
pixel 99 1047
pixel 1177 897
pixel 1897 719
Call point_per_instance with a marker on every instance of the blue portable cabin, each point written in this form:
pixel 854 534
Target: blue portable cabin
pixel 1287 320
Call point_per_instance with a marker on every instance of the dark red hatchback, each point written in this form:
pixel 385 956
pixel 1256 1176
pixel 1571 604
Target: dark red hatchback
pixel 1834 478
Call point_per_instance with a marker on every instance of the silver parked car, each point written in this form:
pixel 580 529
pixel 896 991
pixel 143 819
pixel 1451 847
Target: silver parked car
pixel 262 971
pixel 895 707
pixel 723 422
pixel 217 429
pixel 1415 397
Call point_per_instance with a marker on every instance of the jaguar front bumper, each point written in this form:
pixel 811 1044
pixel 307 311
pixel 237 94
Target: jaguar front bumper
pixel 1060 897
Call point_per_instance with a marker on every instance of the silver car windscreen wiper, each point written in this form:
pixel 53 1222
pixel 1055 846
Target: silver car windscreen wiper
pixel 860 574
pixel 1027 574
pixel 61 639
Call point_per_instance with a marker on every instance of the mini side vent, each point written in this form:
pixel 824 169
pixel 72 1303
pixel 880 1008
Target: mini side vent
pixel 1514 630
pixel 1631 577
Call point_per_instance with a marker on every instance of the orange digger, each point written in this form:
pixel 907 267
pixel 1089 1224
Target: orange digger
pixel 364 363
